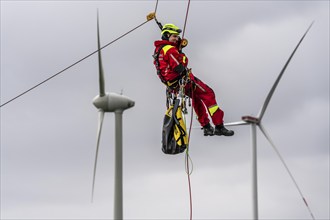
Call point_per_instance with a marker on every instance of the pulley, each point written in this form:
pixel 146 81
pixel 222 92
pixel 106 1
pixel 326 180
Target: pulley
pixel 151 16
pixel 184 43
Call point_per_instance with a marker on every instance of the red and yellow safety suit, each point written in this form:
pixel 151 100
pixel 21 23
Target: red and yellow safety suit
pixel 169 62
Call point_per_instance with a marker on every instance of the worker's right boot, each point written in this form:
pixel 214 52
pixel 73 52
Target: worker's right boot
pixel 221 130
pixel 208 130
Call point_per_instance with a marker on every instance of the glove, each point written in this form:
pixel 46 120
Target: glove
pixel 182 43
pixel 181 70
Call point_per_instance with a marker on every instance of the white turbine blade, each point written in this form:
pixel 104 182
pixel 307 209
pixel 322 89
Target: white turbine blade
pixel 286 167
pixel 101 73
pixel 236 123
pixel 99 130
pixel 270 94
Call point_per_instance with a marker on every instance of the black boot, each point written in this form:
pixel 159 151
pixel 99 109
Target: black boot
pixel 208 130
pixel 221 130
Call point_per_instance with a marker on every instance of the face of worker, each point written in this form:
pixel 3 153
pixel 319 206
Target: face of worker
pixel 174 38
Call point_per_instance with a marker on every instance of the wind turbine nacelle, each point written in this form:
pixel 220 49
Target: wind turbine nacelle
pixel 112 102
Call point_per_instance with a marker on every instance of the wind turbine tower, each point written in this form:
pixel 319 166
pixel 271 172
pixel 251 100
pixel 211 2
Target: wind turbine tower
pixel 256 122
pixel 111 102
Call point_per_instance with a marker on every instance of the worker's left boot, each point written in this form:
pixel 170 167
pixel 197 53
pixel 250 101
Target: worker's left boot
pixel 221 130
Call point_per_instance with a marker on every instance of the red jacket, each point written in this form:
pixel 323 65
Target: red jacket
pixel 169 58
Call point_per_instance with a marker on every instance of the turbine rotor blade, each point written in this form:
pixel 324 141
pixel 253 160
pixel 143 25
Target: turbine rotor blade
pixel 236 123
pixel 101 72
pixel 270 94
pixel 286 167
pixel 99 130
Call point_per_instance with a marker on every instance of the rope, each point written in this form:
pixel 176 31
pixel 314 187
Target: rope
pixel 58 73
pixel 187 157
pixel 185 21
pixel 156 7
pixel 183 83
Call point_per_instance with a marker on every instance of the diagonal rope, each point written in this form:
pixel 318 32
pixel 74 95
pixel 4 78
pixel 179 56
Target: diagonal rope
pixel 82 59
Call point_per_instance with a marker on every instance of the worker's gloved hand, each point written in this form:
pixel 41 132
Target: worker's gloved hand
pixel 184 72
pixel 181 70
pixel 182 43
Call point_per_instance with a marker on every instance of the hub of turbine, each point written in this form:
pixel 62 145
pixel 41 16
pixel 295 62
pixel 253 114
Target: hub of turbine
pixel 250 119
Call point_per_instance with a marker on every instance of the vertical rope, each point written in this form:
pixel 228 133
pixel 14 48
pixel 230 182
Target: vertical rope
pixel 187 157
pixel 156 7
pixel 185 21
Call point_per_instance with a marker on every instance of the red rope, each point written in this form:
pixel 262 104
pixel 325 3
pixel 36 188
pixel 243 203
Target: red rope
pixel 187 157
pixel 190 194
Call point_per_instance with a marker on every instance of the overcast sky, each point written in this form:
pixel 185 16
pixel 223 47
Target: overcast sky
pixel 48 136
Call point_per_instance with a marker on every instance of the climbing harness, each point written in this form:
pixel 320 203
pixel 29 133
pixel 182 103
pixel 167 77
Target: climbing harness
pixel 174 134
pixel 174 83
pixel 169 83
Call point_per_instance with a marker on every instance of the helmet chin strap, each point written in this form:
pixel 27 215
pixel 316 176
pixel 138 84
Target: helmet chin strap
pixel 166 36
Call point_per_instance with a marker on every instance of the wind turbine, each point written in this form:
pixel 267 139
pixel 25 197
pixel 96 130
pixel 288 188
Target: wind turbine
pixel 111 102
pixel 256 122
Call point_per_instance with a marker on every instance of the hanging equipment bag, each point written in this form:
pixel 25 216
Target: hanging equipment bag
pixel 174 134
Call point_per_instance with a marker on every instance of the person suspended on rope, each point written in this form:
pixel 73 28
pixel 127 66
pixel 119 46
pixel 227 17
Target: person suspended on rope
pixel 171 65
